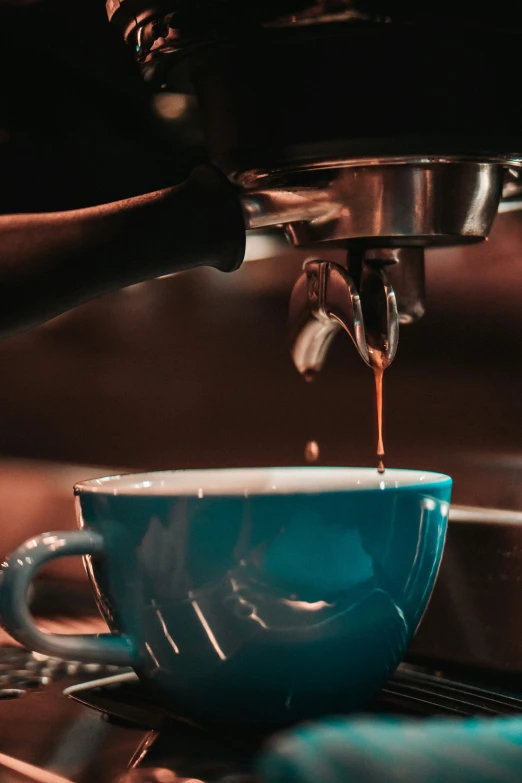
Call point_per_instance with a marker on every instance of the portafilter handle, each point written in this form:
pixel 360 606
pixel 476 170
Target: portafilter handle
pixel 52 262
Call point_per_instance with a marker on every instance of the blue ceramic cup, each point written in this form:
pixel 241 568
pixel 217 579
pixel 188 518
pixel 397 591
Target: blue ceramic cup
pixel 250 595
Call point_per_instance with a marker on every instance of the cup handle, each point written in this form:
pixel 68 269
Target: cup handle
pixel 16 576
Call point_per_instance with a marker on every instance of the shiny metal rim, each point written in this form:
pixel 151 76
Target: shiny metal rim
pixel 256 177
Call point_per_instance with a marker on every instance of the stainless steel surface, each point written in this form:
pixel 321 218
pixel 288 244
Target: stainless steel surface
pixel 485 516
pixel 512 165
pixel 420 202
pixel 441 694
pixel 405 273
pixel 325 300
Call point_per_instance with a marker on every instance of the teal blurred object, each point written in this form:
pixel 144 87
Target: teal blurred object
pixel 255 596
pixel 384 750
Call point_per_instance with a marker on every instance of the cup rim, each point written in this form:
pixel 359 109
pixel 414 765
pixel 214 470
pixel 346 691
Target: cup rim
pixel 264 481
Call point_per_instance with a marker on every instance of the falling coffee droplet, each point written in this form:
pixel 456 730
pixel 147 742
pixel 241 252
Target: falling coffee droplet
pixel 310 375
pixel 379 362
pixel 311 451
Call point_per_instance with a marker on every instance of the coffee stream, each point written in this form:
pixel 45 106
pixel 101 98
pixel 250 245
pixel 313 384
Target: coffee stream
pixel 311 452
pixel 379 362
pixel 378 397
pixel 374 303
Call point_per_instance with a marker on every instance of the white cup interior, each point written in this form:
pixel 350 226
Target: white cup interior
pixel 258 481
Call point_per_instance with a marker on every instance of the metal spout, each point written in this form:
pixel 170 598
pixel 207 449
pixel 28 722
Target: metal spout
pixel 325 300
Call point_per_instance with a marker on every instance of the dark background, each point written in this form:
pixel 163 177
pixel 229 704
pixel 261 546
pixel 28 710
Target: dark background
pixel 75 118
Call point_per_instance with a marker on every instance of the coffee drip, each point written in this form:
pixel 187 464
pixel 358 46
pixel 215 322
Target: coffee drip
pixel 311 452
pixel 311 449
pixel 379 364
pixel 380 444
pixel 374 303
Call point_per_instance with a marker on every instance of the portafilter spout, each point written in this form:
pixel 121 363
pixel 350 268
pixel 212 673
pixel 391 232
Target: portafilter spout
pixel 327 299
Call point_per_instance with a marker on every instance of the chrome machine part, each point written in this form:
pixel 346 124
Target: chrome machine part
pixel 385 212
pixel 325 300
pixel 393 202
pixel 405 273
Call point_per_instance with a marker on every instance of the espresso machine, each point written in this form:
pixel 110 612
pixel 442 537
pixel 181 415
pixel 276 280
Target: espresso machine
pixel 383 128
